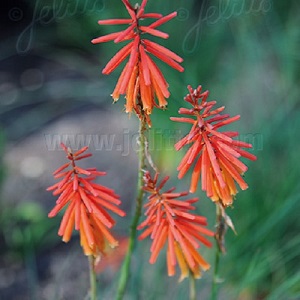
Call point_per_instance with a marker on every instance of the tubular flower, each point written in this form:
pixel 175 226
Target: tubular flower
pixel 215 154
pixel 170 222
pixel 87 204
pixel 140 77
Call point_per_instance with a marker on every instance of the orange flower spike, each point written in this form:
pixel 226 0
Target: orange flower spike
pixel 148 83
pixel 215 155
pixel 170 222
pixel 87 204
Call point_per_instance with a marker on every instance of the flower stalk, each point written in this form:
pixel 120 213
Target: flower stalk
pixel 192 287
pixel 93 279
pixel 214 288
pixel 125 270
pixel 220 248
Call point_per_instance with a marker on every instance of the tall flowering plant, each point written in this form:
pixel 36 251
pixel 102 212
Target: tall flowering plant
pixel 87 205
pixel 141 80
pixel 215 154
pixel 144 86
pixel 216 157
pixel 171 223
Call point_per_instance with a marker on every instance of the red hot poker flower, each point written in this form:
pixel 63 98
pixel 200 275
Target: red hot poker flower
pixel 87 202
pixel 169 221
pixel 140 76
pixel 218 153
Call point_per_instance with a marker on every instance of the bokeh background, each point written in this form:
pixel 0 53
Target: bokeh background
pixel 246 52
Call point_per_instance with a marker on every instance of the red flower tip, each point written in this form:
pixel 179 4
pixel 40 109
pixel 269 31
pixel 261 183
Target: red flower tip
pixel 141 81
pixel 168 221
pixel 215 154
pixel 87 204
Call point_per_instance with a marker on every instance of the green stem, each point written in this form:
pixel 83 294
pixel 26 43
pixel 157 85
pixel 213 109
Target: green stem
pixel 219 236
pixel 214 289
pixel 93 281
pixel 192 287
pixel 125 270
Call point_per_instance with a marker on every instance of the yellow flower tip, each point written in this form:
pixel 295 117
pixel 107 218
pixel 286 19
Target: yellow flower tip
pixel 114 244
pixel 129 113
pixel 65 240
pixel 192 189
pixel 51 215
pixel 115 97
pixel 147 110
pixel 232 192
pixel 197 274
pixel 97 259
pixel 88 252
pixel 128 110
pixel 244 187
pixel 228 204
pixel 182 277
pixel 214 198
pixel 205 267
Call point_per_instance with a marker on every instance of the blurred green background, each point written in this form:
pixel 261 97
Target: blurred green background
pixel 247 53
